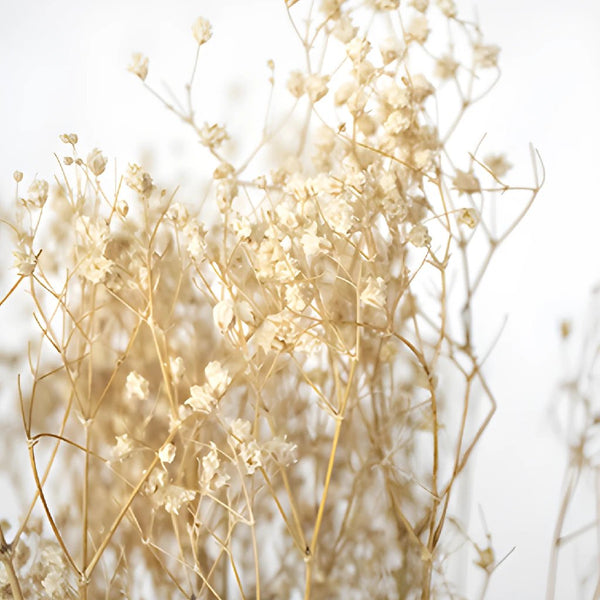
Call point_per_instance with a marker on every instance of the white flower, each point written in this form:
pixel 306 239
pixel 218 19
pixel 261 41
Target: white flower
pixel 177 368
pixel 139 65
pixel 201 398
pixel 251 456
pixel 173 497
pixel 195 233
pixel 312 244
pixel 498 164
pixel 466 183
pixel 95 267
pixel 316 87
pixel 136 387
pixel 296 84
pixel 374 292
pixel 419 236
pixel 212 136
pixel 418 29
pixel 390 50
pixel 37 194
pixel 96 161
pixel 486 56
pixel 397 122
pixel 223 315
pixel 217 377
pixel 447 7
pixel 138 180
pixel 282 451
pixel 122 448
pixel 167 453
pixel 210 476
pixel 468 217
pixel 202 30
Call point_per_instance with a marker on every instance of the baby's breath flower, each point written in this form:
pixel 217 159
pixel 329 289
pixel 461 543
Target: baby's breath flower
pixel 212 136
pixel 296 84
pixel 468 217
pixel 96 162
pixel 251 455
pixel 397 122
pixel 281 451
pixel 343 29
pixel 419 236
pixel 122 448
pixel 202 30
pixel 177 368
pixel 420 5
pixel 445 67
pixel 466 182
pixel 37 194
pixel 95 267
pixel 195 233
pixel 486 56
pixel 358 49
pixel 418 29
pixel 498 164
pixel 210 476
pixel 202 398
pixel 374 292
pixel 24 262
pixel 136 387
pixel 138 180
pixel 167 453
pixel 447 7
pixel 217 377
pixel 390 50
pixel 139 65
pixel 18 176
pixel 316 87
pixel 174 497
pixel 223 315
pixel 69 138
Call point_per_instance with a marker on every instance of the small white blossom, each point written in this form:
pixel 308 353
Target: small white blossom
pixel 217 377
pixel 177 368
pixel 202 30
pixel 418 29
pixel 139 65
pixel 96 161
pixel 202 398
pixel 296 84
pixel 122 448
pixel 223 315
pixel 136 387
pixel 37 194
pixel 374 292
pixel 167 453
pixel 466 182
pixel 498 164
pixel 138 180
pixel 486 56
pixel 419 236
pixel 468 217
pixel 316 87
pixel 173 497
pixel 212 136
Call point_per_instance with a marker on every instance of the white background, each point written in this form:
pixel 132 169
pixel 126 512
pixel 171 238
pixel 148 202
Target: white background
pixel 62 69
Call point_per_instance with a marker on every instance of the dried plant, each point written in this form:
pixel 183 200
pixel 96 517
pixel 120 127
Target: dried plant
pixel 275 399
pixel 576 413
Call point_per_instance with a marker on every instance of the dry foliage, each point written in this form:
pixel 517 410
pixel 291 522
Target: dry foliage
pixel 277 398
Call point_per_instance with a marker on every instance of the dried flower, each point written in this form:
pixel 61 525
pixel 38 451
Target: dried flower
pixel 139 65
pixel 96 161
pixel 202 30
pixel 136 387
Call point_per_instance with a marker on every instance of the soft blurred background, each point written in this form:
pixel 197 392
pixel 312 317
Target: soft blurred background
pixel 63 69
